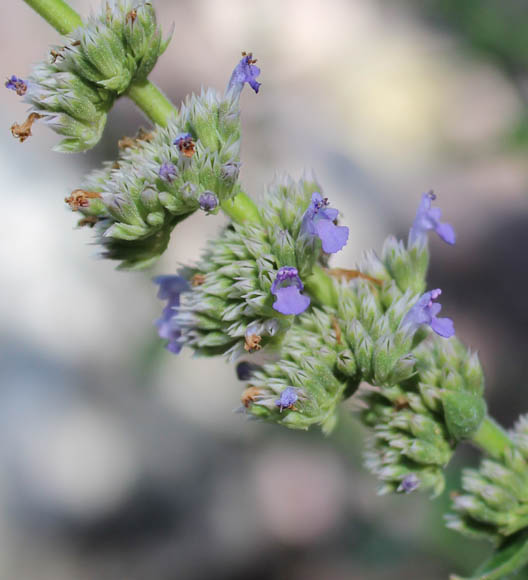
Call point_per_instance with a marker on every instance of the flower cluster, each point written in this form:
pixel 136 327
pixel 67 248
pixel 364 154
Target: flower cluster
pixel 417 422
pixel 163 177
pixel 250 281
pixel 372 333
pixel 495 499
pixel 382 328
pixel 73 91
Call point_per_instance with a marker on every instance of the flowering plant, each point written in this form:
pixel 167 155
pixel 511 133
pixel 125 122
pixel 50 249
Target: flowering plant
pixel 372 332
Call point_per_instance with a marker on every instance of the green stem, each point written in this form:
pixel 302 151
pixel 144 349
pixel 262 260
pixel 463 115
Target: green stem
pixel 492 438
pixel 57 12
pixel 152 102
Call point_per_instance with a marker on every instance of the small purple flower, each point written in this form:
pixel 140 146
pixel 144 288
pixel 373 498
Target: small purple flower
pixel 287 399
pixel 428 218
pixel 287 288
pixel 168 171
pixel 245 72
pixel 409 483
pixel 244 370
pixel 208 201
pixel 425 312
pixel 230 170
pixel 170 288
pixel 17 85
pixel 318 220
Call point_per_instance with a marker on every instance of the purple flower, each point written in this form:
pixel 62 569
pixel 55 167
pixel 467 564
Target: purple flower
pixel 425 312
pixel 168 171
pixel 208 201
pixel 170 288
pixel 409 483
pixel 17 85
pixel 287 288
pixel 230 170
pixel 244 370
pixel 287 399
pixel 428 218
pixel 318 220
pixel 245 72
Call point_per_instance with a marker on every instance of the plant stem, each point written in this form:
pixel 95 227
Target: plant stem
pixel 492 438
pixel 57 13
pixel 152 102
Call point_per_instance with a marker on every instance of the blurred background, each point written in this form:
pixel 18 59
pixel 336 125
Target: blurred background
pixel 119 460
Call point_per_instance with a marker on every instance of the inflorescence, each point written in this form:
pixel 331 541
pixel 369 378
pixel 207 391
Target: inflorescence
pixel 372 333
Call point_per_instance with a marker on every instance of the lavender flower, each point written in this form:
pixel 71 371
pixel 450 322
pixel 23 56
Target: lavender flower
pixel 208 201
pixel 170 288
pixel 409 483
pixel 168 171
pixel 287 288
pixel 245 72
pixel 318 220
pixel 425 312
pixel 428 218
pixel 287 399
pixel 18 85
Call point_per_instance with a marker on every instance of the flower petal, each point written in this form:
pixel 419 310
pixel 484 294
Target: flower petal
pixel 446 232
pixel 290 300
pixel 443 326
pixel 333 237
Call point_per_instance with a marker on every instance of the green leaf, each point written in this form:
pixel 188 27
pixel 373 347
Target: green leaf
pixel 507 560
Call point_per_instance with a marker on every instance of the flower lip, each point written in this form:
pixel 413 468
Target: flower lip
pixel 428 218
pixel 318 221
pixel 287 288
